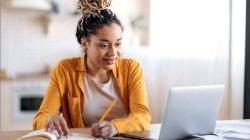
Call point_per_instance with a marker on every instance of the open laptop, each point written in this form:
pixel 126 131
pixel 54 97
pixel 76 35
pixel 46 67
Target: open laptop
pixel 189 111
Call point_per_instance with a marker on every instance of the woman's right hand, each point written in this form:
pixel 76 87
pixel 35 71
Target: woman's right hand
pixel 57 123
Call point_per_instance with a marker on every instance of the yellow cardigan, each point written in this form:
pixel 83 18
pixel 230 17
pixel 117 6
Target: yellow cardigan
pixel 65 95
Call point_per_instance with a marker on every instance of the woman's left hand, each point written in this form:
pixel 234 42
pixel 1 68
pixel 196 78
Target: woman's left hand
pixel 104 129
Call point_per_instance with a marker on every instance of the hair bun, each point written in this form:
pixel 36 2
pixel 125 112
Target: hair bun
pixel 90 6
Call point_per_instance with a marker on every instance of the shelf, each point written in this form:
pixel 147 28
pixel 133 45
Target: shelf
pixel 31 4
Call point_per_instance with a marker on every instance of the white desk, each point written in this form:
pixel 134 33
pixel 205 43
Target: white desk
pixel 224 129
pixel 236 125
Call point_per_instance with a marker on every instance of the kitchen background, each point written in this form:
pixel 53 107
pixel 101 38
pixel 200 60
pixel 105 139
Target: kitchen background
pixel 179 43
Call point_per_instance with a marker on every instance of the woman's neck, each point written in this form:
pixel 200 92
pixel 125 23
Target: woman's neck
pixel 99 75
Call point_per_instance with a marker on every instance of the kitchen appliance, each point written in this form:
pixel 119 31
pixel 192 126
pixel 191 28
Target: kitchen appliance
pixel 26 99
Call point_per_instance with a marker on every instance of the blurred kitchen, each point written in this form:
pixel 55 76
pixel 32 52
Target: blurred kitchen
pixel 179 43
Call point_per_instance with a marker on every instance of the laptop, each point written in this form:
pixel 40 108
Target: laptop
pixel 189 111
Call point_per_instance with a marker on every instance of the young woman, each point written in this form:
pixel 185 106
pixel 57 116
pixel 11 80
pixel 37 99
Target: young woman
pixel 81 89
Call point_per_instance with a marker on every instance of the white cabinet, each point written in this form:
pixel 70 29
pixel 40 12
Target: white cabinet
pixel 15 96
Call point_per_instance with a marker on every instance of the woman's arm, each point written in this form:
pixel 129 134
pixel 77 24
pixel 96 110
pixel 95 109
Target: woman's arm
pixel 51 103
pixel 139 116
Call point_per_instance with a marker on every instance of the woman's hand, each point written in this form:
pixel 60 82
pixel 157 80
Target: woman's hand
pixel 104 129
pixel 57 123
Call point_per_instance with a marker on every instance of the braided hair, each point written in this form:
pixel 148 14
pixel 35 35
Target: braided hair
pixel 94 15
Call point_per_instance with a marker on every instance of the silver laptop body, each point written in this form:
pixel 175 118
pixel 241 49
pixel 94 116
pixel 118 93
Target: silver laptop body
pixel 191 111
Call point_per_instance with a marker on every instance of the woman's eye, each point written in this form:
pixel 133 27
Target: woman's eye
pixel 118 44
pixel 103 45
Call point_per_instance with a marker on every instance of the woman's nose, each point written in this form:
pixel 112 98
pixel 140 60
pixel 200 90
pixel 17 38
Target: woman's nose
pixel 112 50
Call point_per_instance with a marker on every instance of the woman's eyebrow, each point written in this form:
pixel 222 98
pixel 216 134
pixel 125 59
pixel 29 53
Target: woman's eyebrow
pixel 105 40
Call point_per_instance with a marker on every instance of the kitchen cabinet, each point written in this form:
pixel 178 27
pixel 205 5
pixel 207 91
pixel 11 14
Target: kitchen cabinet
pixel 15 96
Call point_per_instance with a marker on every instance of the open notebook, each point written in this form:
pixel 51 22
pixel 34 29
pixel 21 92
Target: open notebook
pixel 43 133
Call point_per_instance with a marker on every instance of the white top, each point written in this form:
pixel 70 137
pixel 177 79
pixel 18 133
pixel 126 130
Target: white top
pixel 97 99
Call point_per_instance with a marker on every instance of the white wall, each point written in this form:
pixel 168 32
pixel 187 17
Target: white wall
pixel 129 10
pixel 26 47
pixel 238 29
pixel 193 37
pixel 206 29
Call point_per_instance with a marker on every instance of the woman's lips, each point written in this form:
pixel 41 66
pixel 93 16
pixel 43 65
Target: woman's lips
pixel 110 61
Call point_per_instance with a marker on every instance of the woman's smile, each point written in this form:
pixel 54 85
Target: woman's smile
pixel 109 61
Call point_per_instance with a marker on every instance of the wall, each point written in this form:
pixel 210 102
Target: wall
pixel 24 37
pixel 237 62
pixel 194 37
pixel 25 45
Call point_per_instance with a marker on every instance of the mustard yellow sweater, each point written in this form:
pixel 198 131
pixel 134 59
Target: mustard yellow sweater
pixel 65 95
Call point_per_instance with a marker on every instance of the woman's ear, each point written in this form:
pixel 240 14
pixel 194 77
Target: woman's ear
pixel 84 43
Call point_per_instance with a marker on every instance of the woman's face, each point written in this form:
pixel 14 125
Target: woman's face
pixel 103 48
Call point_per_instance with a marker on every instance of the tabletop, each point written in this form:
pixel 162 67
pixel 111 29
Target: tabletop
pixel 13 135
pixel 239 127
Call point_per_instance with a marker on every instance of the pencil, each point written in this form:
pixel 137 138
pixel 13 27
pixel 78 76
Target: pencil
pixel 105 114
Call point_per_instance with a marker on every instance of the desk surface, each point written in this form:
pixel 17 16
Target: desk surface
pixel 154 130
pixel 13 135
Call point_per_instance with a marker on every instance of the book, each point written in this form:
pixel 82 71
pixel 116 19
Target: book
pixel 233 129
pixel 51 136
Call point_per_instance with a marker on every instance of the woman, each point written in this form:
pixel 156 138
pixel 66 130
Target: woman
pixel 82 88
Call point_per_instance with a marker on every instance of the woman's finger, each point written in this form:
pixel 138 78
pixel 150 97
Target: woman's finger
pixel 113 131
pixel 50 127
pixel 64 126
pixel 105 131
pixel 101 132
pixel 58 128
pixel 96 129
pixel 98 126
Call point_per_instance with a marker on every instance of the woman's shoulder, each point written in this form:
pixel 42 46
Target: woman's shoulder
pixel 71 60
pixel 128 62
pixel 69 63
